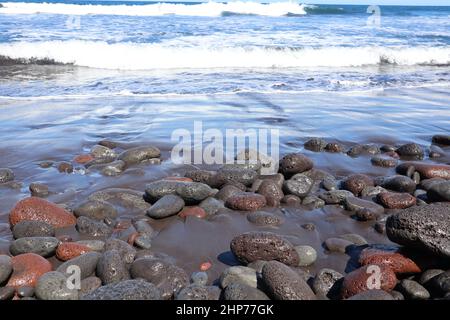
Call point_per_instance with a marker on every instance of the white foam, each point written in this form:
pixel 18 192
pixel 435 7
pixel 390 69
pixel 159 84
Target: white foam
pixel 145 56
pixel 208 9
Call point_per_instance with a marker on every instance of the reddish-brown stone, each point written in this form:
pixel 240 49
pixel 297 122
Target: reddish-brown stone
pixel 426 170
pixel 394 260
pixel 205 266
pixel 184 179
pixel 356 183
pixel 70 250
pixel 38 209
pixel 83 158
pixel 27 268
pixel 132 237
pixel 246 201
pixel 366 278
pixel 392 200
pixel 193 212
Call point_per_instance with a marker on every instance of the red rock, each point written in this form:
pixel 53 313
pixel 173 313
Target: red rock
pixel 27 268
pixel 426 170
pixel 65 167
pixel 192 211
pixel 356 183
pixel 392 200
pixel 205 266
pixel 184 179
pixel 83 158
pixel 365 278
pixel 246 201
pixel 38 209
pixel 70 250
pixel 394 260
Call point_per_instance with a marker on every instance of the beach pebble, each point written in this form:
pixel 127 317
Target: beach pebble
pixel 143 241
pixel 6 175
pixel 87 264
pixel 262 218
pixel 442 139
pixel 327 283
pixel 70 250
pixel 241 175
pixel 306 254
pixel 139 154
pixel 285 284
pixel 203 176
pixel 239 291
pixel 372 191
pixel 384 161
pixel 46 164
pixel 426 170
pixel 92 227
pixel 131 200
pixel 355 238
pixel 27 268
pixel 271 191
pixel 195 211
pixel 295 163
pixel 83 158
pixel 113 168
pixel 65 167
pixel 278 178
pixel 392 200
pixel 335 197
pixel 291 200
pixel 194 192
pixel 315 144
pixel 246 201
pixel 25 291
pixel 126 251
pixel 102 152
pixel 53 286
pixel 226 192
pixel 413 290
pixel 238 274
pixel 197 292
pixel 143 226
pixel 126 290
pixel 439 192
pixel 397 183
pixel 394 260
pixel 337 245
pixel 364 209
pixel 298 185
pixel 33 229
pixel 254 155
pixel 373 294
pixel 43 246
pixel 167 206
pixel 334 147
pixel 97 210
pixel 111 268
pixel 199 278
pixel 309 226
pixel 5 268
pixel 411 151
pixel 329 184
pixel 94 245
pixel 38 190
pixel 356 183
pixel 252 246
pixel 211 205
pixel 313 202
pixel 428 275
pixel 167 277
pixel 37 209
pixel 89 284
pixel 426 227
pixel 356 281
pixel 360 149
pixel 7 293
pixel 441 283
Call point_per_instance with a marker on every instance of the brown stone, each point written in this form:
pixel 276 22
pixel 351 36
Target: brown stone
pixel 246 201
pixel 70 250
pixel 356 183
pixel 392 200
pixel 272 192
pixel 37 209
pixel 394 260
pixel 192 212
pixel 426 170
pixel 27 268
pixel 83 158
pixel 295 163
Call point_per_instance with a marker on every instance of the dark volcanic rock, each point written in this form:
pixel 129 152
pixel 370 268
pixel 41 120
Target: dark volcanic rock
pixel 246 201
pixel 372 295
pixel 327 283
pixel 198 292
pixel 439 192
pixel 244 176
pixel 167 206
pixel 392 200
pixel 97 210
pixel 264 218
pixel 38 190
pixel 441 139
pixel 126 251
pixel 295 163
pixel 139 154
pixel 53 286
pixel 397 183
pixel 315 144
pixel 126 290
pixel 86 262
pixel 33 229
pixel 363 208
pixel 426 170
pixel 356 183
pixel 239 291
pixel 272 192
pixel 299 185
pixel 335 196
pixel 413 290
pixel 426 227
pixel 252 246
pixel 411 151
pixel 92 227
pixel 5 268
pixel 394 260
pixel 111 268
pixel 384 161
pixel 43 246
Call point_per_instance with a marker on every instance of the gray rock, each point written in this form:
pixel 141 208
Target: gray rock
pixel 200 278
pixel 327 283
pixel 86 262
pixel 271 191
pixel 158 189
pixel 372 295
pixel 337 244
pixel 126 251
pixel 429 274
pixel 357 205
pixel 139 154
pixel 143 227
pixel 132 200
pixel 285 284
pixel 226 192
pixel 88 285
pixel 371 191
pixel 238 274
pixel 94 245
pixel 5 268
pixel 413 290
pixel 262 218
pixel 426 227
pixel 411 151
pixel 43 246
pixel 54 286
pixel 6 175
pixel 204 176
pixel 92 227
pixel 257 265
pixel 98 210
pixel 335 197
pixel 315 144
pixel 307 255
pixel 439 191
pixel 166 276
pixel 111 268
pixel 355 238
pixel 384 161
pixel 241 175
pixel 114 168
pixel 441 283
pixel 397 295
pixel 143 241
pixel 239 291
pixel 102 152
pixel 167 206
pixel 7 293
pixel 295 163
pixel 25 291
pixel 245 165
pixel 397 183
pixel 33 229
pixel 313 202
pixel 126 290
pixel 211 205
pixel 197 292
pixel 298 185
pixel 194 192
pixel 293 201
pixel 38 190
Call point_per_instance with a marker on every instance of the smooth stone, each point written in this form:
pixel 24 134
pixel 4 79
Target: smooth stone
pixel 92 227
pixel 334 147
pixel 327 283
pixel 426 170
pixel 398 183
pixel 356 183
pixel 198 292
pixel 43 246
pixel 254 155
pixel 167 277
pixel 439 192
pixel 143 241
pixel 241 175
pixel 315 144
pixel 111 268
pixel 392 200
pixel 88 285
pixel 94 245
pixel 295 163
pixel 6 268
pixel 365 149
pixel 25 291
pixel 413 290
pixel 139 154
pixel 429 274
pixel 167 206
pixel 200 278
pixel 203 176
pixel 7 293
pixel 246 201
pixel 262 218
pixel 97 210
pixel 126 251
pixel 65 167
pixel 257 265
pixel 291 200
pixel 306 254
pixel 335 197
pixel 99 151
pixel 358 205
pixel 211 205
pixel 425 227
pixel 194 211
pixel 329 184
pixel 194 192
pixel 226 192
pixel 271 191
pixel 355 238
pixel 87 263
pixel 144 228
pixel 441 283
pixel 397 295
pixel 441 139
pixel 238 274
pixel 384 161
pixel 33 229
pixel 252 246
pixel 313 202
pixel 254 165
pixel 393 260
pixel 70 250
pixel 278 178
pixel 6 175
pixel 337 244
pixel 411 151
pixel 285 284
pixel 298 185
pixel 130 199
pixel 27 268
pixel 372 191
pixel 53 286
pixel 126 290
pixel 114 168
pixel 239 291
pixel 387 148
pixel 38 190
pixel 371 295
